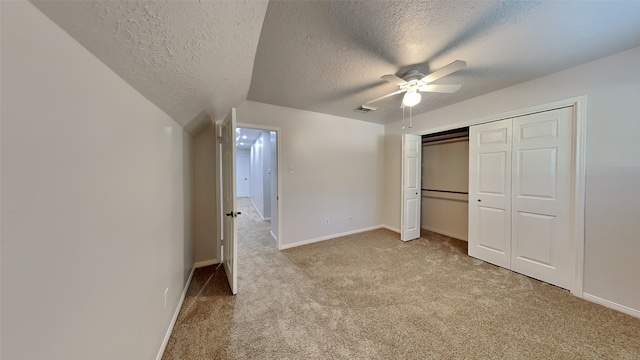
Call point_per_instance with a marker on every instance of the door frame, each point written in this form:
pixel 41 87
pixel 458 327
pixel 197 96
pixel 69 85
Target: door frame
pixel 278 198
pixel 579 136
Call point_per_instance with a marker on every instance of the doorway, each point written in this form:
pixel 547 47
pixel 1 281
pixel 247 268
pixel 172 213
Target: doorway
pixel 445 183
pixel 257 178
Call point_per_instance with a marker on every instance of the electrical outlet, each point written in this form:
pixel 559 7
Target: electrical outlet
pixel 326 221
pixel 166 297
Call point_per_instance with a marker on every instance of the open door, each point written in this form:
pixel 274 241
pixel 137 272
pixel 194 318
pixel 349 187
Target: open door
pixel 411 187
pixel 229 222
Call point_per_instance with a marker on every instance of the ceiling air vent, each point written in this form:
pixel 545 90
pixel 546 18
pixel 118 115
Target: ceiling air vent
pixel 365 108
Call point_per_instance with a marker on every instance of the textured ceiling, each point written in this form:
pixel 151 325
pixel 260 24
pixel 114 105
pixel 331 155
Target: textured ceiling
pixel 194 59
pixel 191 59
pixel 328 56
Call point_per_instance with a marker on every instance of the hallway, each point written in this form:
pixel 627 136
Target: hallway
pixel 253 232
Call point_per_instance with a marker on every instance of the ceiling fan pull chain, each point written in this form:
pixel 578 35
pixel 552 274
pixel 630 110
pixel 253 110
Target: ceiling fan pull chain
pixel 410 118
pixel 402 117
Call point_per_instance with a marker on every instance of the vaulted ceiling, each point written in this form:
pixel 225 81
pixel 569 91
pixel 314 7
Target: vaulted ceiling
pixel 194 59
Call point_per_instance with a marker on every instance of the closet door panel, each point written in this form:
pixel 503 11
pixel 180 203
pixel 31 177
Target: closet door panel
pixel 534 232
pixel 490 192
pixel 541 200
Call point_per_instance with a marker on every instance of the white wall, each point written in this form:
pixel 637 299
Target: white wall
pixel 205 211
pixel 273 139
pixel 261 174
pixel 612 86
pixel 95 199
pixel 243 152
pixel 266 175
pixel 257 175
pixel 337 171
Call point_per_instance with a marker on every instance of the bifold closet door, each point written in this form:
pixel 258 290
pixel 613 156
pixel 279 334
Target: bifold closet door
pixel 542 245
pixel 490 192
pixel 411 186
pixel 520 195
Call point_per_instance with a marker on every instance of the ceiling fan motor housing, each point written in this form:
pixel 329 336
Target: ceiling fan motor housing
pixel 413 74
pixel 412 77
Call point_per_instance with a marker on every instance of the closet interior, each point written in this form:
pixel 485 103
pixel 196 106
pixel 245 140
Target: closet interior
pixel 445 183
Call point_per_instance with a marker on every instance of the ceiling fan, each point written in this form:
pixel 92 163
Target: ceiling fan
pixel 415 82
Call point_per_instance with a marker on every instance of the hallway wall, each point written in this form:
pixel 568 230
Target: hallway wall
pixel 261 175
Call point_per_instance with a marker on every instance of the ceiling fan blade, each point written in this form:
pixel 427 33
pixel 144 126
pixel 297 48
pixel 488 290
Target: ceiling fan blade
pixel 384 97
pixel 449 89
pixel 444 71
pixel 393 79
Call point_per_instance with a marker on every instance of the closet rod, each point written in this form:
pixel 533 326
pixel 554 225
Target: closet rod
pixel 447 191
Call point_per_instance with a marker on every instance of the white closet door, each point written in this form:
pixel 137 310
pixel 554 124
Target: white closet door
pixel 411 186
pixel 541 200
pixel 490 192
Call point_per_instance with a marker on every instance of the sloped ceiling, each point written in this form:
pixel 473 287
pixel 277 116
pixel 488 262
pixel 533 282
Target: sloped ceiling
pixel 193 59
pixel 196 60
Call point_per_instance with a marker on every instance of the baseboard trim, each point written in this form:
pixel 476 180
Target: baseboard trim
pixel 612 305
pixel 258 210
pixel 390 228
pixel 328 237
pixel 163 346
pixel 446 233
pixel 206 263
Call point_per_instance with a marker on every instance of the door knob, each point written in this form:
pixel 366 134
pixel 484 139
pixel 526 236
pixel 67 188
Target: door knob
pixel 233 214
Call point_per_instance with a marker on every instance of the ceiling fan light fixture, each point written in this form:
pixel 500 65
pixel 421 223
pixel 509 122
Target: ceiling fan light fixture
pixel 411 98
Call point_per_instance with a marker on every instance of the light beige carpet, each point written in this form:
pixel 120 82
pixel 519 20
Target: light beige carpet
pixel 371 296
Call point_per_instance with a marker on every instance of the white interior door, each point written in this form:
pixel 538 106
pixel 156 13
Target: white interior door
pixel 490 192
pixel 411 182
pixel 242 175
pixel 229 228
pixel 541 201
